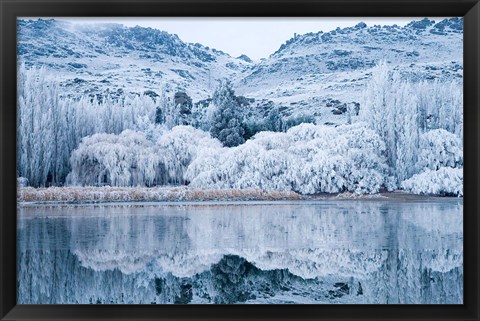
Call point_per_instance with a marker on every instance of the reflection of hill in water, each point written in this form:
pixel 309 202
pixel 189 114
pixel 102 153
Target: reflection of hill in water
pixel 366 252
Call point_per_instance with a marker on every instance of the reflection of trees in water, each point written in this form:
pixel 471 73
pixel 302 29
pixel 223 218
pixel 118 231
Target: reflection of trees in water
pixel 421 269
pixel 349 252
pixel 405 277
pixel 233 280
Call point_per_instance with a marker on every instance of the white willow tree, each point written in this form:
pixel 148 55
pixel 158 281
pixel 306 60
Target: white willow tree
pixel 445 181
pixel 128 159
pixel 179 147
pixel 307 158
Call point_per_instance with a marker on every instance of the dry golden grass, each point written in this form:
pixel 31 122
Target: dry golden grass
pixel 128 194
pixel 348 195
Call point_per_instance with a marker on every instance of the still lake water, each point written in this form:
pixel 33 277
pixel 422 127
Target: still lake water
pixel 328 251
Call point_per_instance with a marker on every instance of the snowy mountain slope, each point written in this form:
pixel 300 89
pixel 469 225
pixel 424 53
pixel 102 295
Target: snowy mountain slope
pixel 316 74
pixel 110 58
pixel 322 71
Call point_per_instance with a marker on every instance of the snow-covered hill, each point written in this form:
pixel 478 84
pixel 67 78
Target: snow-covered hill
pixel 316 74
pixel 113 59
pixel 321 72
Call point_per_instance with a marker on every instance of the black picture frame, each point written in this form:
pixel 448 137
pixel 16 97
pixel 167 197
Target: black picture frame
pixel 10 10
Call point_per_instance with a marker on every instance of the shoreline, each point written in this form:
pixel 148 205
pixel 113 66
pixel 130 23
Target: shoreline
pixel 173 194
pixel 106 194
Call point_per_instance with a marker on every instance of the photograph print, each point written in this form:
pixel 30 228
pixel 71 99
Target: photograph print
pixel 239 160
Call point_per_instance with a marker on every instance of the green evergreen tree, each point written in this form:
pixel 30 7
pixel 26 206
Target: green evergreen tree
pixel 274 121
pixel 159 119
pixel 227 119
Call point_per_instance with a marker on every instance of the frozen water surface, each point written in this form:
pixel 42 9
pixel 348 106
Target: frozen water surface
pixel 328 251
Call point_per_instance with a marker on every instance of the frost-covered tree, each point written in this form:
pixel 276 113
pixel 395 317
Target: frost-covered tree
pixel 128 159
pixel 50 127
pixel 439 148
pixel 403 131
pixel 440 165
pixel 273 122
pixel 440 105
pixel 296 120
pixel 179 147
pixel 174 109
pixel 152 131
pixel 401 111
pixel 390 110
pixel 307 158
pixel 445 181
pixel 38 140
pixel 227 119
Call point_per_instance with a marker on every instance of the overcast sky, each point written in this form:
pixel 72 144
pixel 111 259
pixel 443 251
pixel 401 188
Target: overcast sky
pixel 255 37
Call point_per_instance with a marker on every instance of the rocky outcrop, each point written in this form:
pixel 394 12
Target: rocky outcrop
pixel 184 102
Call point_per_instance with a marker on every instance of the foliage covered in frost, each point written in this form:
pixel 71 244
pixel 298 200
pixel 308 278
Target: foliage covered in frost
pixel 50 127
pixel 307 159
pixel 22 182
pixel 407 135
pixel 179 147
pixel 401 111
pixel 445 181
pixel 40 144
pixel 440 148
pixel 226 119
pixel 440 164
pixel 128 159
